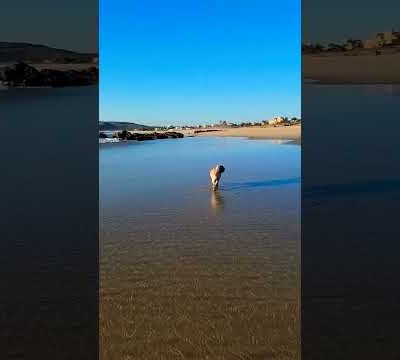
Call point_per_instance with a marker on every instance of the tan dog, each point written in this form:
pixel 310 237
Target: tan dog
pixel 215 175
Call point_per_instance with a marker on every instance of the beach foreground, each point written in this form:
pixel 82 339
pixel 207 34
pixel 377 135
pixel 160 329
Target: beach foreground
pixel 189 273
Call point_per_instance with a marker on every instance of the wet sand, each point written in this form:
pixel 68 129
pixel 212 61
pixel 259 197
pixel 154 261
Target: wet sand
pixel 362 69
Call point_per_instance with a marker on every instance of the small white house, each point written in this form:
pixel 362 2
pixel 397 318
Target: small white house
pixel 278 120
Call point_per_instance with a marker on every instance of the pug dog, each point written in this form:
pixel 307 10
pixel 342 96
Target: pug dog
pixel 215 175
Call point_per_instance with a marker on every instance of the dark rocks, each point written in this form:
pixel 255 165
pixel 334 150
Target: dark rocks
pixel 161 136
pixel 142 137
pixel 126 135
pixel 203 131
pixel 174 135
pixel 22 75
pixel 57 78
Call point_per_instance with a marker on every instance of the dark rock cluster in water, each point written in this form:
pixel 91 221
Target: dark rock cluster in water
pixel 203 131
pixel 127 135
pixel 22 75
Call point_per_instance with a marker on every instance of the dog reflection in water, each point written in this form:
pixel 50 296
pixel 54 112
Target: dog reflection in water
pixel 215 175
pixel 217 201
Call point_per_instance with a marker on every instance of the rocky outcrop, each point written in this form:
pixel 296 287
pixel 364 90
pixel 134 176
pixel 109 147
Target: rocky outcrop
pixel 203 131
pixel 24 75
pixel 126 135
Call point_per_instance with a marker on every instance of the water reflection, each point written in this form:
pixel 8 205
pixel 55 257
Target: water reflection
pixel 217 201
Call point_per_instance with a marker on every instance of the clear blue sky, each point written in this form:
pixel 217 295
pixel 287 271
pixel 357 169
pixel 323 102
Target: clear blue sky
pixel 195 62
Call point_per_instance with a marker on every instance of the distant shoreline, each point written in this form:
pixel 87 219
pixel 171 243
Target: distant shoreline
pixel 290 133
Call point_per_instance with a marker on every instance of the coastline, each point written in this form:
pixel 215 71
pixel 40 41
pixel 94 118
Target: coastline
pixel 355 70
pixel 289 134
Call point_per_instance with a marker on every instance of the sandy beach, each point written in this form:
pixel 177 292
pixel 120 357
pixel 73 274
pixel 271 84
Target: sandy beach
pixel 362 69
pixel 259 132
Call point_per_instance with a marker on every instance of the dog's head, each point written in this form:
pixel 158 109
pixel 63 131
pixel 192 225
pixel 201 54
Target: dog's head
pixel 221 168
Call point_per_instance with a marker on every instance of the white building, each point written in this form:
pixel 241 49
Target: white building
pixel 382 39
pixel 278 120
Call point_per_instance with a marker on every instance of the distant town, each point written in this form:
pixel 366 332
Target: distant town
pixel 279 120
pixel 388 40
pixel 118 126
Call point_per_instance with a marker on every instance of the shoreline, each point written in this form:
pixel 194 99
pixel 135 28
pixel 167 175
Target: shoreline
pixel 288 134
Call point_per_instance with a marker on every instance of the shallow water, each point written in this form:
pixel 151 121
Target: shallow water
pixel 187 272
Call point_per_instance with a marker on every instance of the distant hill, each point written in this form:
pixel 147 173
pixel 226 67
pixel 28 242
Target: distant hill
pixel 117 126
pixel 11 52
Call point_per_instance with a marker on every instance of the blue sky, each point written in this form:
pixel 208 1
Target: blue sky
pixel 196 62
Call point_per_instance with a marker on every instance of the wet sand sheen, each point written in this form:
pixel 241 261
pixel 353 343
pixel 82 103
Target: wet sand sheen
pixel 207 274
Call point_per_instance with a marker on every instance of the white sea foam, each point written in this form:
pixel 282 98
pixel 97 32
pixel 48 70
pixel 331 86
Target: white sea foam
pixel 108 140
